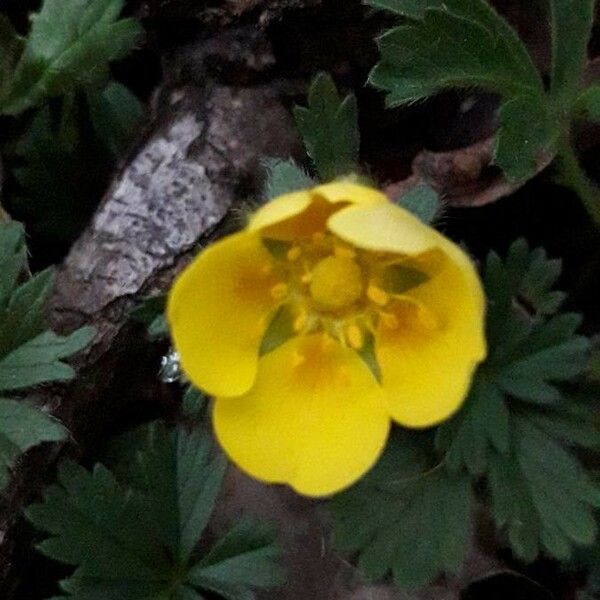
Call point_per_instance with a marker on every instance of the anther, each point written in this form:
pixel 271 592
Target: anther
pixel 294 253
pixel 279 291
pixel 355 337
pixel 377 295
pixel 300 321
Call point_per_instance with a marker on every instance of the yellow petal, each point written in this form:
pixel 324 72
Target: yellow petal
pixel 353 193
pixel 218 312
pixel 280 209
pixel 383 227
pixel 427 363
pixel 315 419
pixel 300 214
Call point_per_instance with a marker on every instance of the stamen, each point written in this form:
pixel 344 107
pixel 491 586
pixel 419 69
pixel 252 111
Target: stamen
pixel 300 321
pixel 355 336
pixel 279 291
pixel 294 253
pixel 377 295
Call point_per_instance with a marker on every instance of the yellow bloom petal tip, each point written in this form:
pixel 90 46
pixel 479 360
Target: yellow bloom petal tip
pixel 311 411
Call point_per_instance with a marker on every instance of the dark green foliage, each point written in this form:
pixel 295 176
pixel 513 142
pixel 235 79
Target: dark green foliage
pixel 70 45
pixel 329 127
pixel 29 355
pixel 63 159
pixel 572 22
pixel 518 423
pixel 284 176
pixel 136 537
pixel 151 313
pixel 406 516
pixel 541 494
pixel 115 114
pixel 466 44
pixel 422 201
pixel 11 47
pixel 21 427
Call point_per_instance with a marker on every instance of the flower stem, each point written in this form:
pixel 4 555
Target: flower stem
pixel 573 176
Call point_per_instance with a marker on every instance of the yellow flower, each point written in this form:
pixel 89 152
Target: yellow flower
pixel 333 313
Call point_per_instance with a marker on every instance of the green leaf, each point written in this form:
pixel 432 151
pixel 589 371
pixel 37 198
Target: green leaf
pixel 404 8
pixel 466 44
pixel 62 171
pixel 102 528
pixel 422 201
pixel 283 177
pixel 39 360
pixel 481 425
pixel 180 478
pixel 21 427
pixel 11 47
pixel 28 354
pixel 194 402
pixel 447 50
pixel 132 537
pixel 405 518
pixel 541 494
pixel 329 127
pixel 23 317
pixel 526 133
pixel 148 309
pixel 13 255
pixel 70 45
pixel 530 352
pixel 572 22
pixel 587 105
pixel 115 114
pixel 244 558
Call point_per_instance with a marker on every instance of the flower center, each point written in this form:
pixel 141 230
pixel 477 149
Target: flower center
pixel 336 283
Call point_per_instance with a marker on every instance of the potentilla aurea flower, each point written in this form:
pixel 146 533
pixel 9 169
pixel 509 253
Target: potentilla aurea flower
pixel 331 315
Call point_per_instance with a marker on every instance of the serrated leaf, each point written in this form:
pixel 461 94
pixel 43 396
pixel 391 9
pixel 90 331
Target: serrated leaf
pixel 193 402
pixel 422 201
pixel 23 317
pixel 231 572
pixel 180 477
pixel 572 22
pixel 283 177
pixel 39 360
pixel 482 425
pixel 62 173
pixel 542 495
pixel 13 254
pixel 329 127
pixel 526 134
pixel 115 114
pixel 587 104
pixel 70 45
pixel 21 427
pixel 100 526
pixel 446 50
pixel 404 518
pixel 132 538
